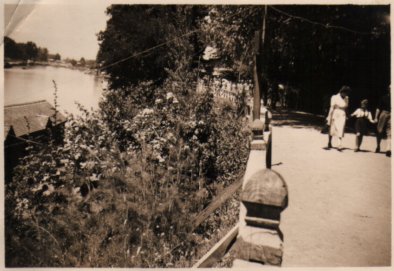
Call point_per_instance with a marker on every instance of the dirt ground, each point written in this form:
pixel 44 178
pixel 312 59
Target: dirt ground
pixel 339 211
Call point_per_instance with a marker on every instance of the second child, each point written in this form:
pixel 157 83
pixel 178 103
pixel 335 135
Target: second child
pixel 362 117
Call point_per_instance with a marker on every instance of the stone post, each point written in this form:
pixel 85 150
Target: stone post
pixel 260 240
pixel 264 196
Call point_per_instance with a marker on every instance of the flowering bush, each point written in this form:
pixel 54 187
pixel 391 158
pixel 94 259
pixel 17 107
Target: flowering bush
pixel 123 188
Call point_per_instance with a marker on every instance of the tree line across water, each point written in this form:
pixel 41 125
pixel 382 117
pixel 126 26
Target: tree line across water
pixel 26 51
pixel 29 51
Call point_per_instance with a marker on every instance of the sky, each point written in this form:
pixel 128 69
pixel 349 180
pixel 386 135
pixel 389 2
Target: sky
pixel 66 27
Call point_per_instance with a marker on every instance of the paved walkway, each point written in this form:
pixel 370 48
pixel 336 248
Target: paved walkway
pixel 339 211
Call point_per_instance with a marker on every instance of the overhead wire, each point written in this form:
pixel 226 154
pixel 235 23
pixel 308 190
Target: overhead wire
pixel 148 50
pixel 318 23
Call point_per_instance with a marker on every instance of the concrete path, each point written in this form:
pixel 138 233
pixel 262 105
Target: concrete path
pixel 339 211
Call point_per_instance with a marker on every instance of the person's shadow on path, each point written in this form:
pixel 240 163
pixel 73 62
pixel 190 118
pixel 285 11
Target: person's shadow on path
pixel 364 151
pixel 334 148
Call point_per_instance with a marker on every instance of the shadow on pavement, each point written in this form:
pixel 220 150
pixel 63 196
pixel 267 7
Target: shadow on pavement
pixel 335 148
pixel 299 120
pixel 277 164
pixel 364 151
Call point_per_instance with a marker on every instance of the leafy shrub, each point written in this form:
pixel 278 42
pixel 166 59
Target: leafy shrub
pixel 124 187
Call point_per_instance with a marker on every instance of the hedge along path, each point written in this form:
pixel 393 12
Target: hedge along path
pixel 217 202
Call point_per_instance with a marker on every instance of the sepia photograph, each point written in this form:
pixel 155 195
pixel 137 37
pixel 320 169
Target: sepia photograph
pixel 216 135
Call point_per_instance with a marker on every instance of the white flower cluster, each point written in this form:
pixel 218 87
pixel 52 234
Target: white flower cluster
pixel 171 98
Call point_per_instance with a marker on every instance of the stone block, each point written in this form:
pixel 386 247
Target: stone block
pixel 257 125
pixel 237 263
pixel 259 137
pixel 262 222
pixel 259 245
pixel 246 265
pixel 258 145
pixel 262 211
pixel 257 128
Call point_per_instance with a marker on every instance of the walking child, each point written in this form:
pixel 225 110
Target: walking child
pixel 362 117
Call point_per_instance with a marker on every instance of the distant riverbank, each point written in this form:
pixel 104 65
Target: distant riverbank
pixel 57 64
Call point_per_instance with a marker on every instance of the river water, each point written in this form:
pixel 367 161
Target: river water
pixel 35 83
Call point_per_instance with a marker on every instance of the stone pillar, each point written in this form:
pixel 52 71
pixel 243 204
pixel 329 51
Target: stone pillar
pixel 264 197
pixel 258 142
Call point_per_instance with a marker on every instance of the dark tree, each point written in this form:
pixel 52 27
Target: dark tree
pixel 135 46
pixel 82 61
pixel 11 49
pixel 314 49
pixel 42 54
pixel 29 50
pixel 336 45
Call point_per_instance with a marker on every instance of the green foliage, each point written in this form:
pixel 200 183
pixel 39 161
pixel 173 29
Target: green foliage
pixel 11 49
pixel 124 187
pixel 133 30
pixel 42 54
pixel 231 29
pixel 57 57
pixel 24 51
pixel 305 50
pixel 318 59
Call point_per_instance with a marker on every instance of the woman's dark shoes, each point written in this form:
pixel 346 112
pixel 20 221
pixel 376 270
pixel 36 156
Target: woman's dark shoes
pixel 388 153
pixel 357 150
pixel 377 150
pixel 329 146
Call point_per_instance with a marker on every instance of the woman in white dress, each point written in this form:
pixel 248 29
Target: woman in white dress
pixel 336 118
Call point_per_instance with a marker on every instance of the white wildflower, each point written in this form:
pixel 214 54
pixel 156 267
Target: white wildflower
pixel 169 95
pixel 147 111
pixel 160 158
pixel 46 193
pixel 94 177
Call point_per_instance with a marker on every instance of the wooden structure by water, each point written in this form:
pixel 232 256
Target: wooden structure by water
pixel 28 123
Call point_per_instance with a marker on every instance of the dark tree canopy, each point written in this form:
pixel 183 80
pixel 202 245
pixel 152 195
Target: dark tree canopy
pixel 42 54
pixel 24 51
pixel 11 49
pixel 132 29
pixel 315 49
pixel 82 61
pixel 319 58
pixel 311 49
